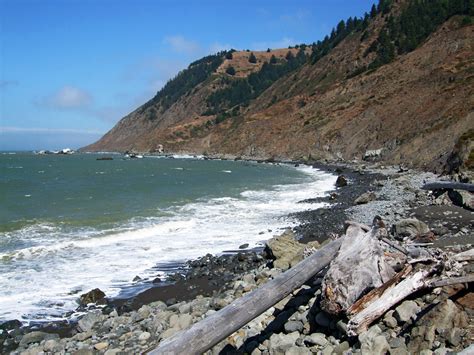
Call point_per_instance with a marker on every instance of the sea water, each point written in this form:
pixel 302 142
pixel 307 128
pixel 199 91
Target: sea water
pixel 72 223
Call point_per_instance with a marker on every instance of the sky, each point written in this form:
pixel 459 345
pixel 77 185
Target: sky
pixel 71 69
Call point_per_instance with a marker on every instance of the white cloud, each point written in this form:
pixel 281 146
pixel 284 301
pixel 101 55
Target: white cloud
pixel 10 129
pixel 182 45
pixel 282 43
pixel 68 97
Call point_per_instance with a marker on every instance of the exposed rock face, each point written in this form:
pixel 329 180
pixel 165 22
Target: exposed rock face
pixel 342 116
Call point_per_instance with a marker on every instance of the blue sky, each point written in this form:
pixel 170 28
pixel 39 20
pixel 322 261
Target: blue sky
pixel 70 69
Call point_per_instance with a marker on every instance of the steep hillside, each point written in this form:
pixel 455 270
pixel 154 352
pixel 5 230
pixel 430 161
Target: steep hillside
pixel 374 83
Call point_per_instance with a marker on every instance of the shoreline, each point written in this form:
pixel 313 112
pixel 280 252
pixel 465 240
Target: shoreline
pixel 362 179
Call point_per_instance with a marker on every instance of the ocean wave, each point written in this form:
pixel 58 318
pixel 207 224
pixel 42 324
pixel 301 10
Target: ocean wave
pixel 63 262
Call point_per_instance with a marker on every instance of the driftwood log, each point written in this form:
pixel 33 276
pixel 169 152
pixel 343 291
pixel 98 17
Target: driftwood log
pixel 205 334
pixel 378 301
pixel 360 266
pixel 389 297
pixel 448 185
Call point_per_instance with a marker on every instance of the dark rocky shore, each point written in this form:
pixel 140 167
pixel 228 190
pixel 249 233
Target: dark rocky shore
pixel 296 325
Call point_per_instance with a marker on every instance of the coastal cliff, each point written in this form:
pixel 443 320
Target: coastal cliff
pixel 368 89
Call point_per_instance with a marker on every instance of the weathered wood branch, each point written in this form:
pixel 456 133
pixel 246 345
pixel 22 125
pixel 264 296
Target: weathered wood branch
pixel 467 255
pixel 376 293
pixel 448 185
pixel 390 297
pixel 213 329
pixel 451 281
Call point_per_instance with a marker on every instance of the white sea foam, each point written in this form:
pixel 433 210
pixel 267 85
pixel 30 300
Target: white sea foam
pixel 45 278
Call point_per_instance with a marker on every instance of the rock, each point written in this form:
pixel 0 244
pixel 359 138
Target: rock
pixel 443 200
pixel 410 227
pixel 11 324
pixel 101 346
pixel 87 322
pixel 244 246
pixel 141 314
pixel 454 336
pixel 144 336
pixel 113 352
pixel 462 198
pixel 297 350
pixel 94 296
pixel 293 326
pixel 323 319
pixel 282 342
pixel 341 348
pixel 83 351
pixel 365 198
pixel 285 250
pixel 36 337
pixel 341 181
pixel 406 311
pixel 52 346
pixel 389 320
pixel 441 318
pixel 373 342
pixel 316 339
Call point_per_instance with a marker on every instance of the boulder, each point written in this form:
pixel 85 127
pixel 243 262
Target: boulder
pixel 285 250
pixel 406 311
pixel 440 319
pixel 89 320
pixel 462 198
pixel 373 342
pixel 279 343
pixel 316 339
pixel 93 296
pixel 36 337
pixel 293 326
pixel 341 181
pixel 365 198
pixel 409 227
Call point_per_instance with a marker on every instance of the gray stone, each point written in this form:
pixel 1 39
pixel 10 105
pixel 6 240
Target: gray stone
pixel 410 227
pixel 389 320
pixel 297 350
pixel 372 342
pixel 365 198
pixel 322 319
pixel 282 342
pixel 342 348
pixel 397 343
pixel 87 322
pixel 406 311
pixel 114 351
pixel 316 339
pixel 36 337
pixel 293 326
pixel 144 336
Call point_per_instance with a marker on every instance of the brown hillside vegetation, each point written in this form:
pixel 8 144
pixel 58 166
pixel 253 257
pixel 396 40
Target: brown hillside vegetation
pixel 416 109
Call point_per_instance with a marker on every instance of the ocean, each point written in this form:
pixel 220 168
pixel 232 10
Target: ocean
pixel 72 223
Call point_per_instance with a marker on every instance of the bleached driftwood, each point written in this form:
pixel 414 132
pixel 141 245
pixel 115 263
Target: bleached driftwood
pixel 359 266
pixel 467 255
pixel 211 330
pixel 390 296
pixel 448 185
